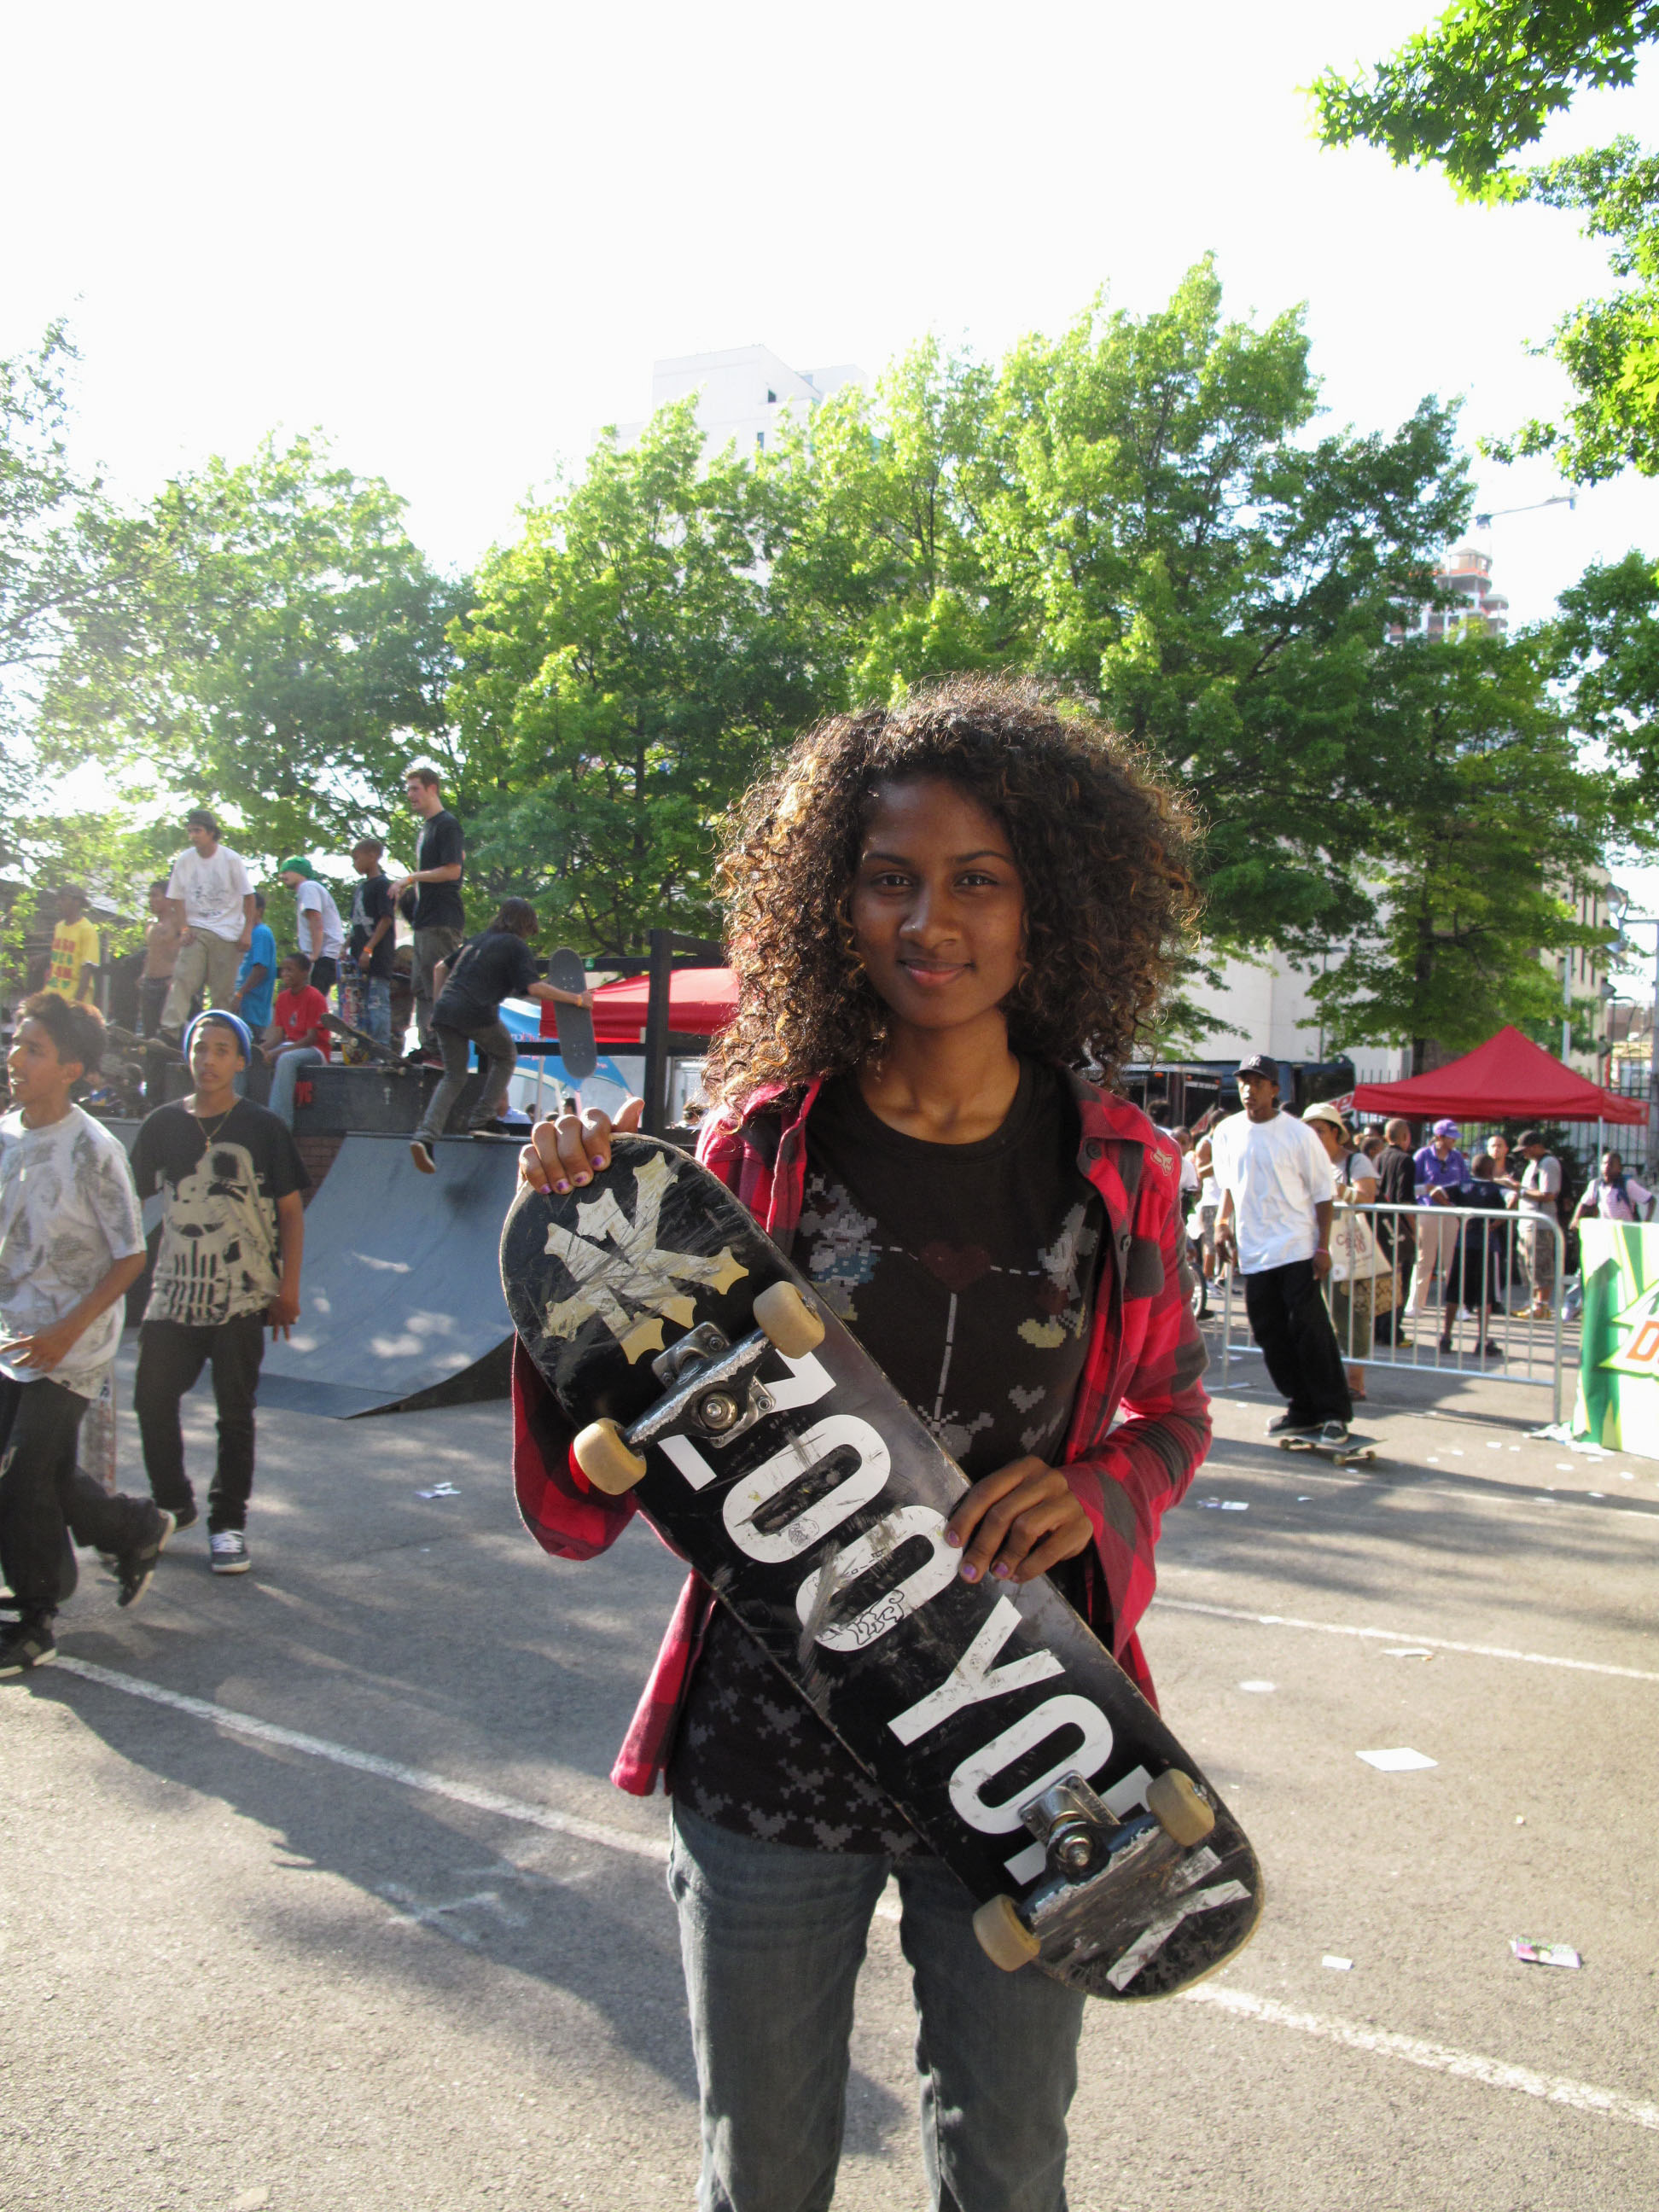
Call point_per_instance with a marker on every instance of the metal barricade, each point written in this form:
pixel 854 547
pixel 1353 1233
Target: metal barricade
pixel 1387 1287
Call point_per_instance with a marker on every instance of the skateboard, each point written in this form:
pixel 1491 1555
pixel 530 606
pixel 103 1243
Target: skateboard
pixel 578 1052
pixel 370 1046
pixel 769 1449
pixel 1354 1453
pixel 128 1040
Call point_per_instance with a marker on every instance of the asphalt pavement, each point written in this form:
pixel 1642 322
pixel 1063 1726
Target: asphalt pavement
pixel 314 1893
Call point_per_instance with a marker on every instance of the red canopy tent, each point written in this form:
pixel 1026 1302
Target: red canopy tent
pixel 1508 1078
pixel 700 1001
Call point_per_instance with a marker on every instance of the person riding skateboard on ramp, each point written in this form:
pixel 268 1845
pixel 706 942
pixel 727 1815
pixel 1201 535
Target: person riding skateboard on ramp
pixel 927 945
pixel 495 965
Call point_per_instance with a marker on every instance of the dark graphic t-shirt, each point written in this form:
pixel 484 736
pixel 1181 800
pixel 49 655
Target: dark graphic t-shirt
pixel 440 845
pixel 370 904
pixel 487 969
pixel 969 1272
pixel 219 1254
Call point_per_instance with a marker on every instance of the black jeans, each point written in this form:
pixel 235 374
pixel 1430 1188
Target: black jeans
pixel 1289 1321
pixel 325 974
pixel 171 1355
pixel 42 1491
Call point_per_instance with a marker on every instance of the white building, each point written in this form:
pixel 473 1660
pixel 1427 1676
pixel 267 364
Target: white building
pixel 743 394
pixel 1268 1007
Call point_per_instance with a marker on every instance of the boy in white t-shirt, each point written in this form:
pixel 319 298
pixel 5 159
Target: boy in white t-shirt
pixel 210 897
pixel 1276 1199
pixel 322 932
pixel 71 1242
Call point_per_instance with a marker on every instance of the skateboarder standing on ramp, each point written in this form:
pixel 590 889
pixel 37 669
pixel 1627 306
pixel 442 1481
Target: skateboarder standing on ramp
pixel 936 915
pixel 233 1233
pixel 495 965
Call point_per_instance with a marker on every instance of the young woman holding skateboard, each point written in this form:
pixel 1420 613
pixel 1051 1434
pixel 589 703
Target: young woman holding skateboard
pixel 936 917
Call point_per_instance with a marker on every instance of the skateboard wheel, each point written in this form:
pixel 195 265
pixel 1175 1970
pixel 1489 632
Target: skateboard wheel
pixel 787 1321
pixel 605 1460
pixel 1003 1936
pixel 1177 1807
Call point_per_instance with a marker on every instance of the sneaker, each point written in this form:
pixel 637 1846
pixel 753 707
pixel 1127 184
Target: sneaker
pixel 229 1548
pixel 30 1644
pixel 421 1152
pixel 1290 1425
pixel 134 1569
pixel 1331 1432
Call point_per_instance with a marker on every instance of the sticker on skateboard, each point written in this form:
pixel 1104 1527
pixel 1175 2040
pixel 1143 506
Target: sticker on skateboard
pixel 772 1454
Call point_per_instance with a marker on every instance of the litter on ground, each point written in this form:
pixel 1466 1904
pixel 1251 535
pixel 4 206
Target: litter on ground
pixel 1401 1759
pixel 1337 1965
pixel 1544 1955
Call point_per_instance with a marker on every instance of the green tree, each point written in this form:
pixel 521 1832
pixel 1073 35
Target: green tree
pixel 882 538
pixel 1607 638
pixel 1223 581
pixel 50 524
pixel 1492 825
pixel 1468 95
pixel 623 672
pixel 265 637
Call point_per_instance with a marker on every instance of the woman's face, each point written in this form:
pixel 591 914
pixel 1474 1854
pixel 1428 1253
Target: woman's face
pixel 1329 1136
pixel 936 906
pixel 1499 1149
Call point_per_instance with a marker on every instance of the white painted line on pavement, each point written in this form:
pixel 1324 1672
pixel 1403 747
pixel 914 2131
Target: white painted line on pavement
pixel 1495 2073
pixel 364 1762
pixel 1438 2057
pixel 1402 1636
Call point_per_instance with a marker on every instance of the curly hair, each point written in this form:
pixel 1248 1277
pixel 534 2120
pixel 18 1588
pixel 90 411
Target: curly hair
pixel 1103 849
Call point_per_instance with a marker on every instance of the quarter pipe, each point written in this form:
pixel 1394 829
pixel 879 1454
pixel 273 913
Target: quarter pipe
pixel 400 1296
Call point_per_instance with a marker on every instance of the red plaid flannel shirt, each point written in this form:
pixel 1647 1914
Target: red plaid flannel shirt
pixel 1141 1422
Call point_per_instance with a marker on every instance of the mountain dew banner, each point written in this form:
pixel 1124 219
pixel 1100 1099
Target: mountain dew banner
pixel 1618 1361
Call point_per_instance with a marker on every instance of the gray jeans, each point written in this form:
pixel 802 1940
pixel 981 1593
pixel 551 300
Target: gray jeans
pixel 772 1938
pixel 430 946
pixel 499 1055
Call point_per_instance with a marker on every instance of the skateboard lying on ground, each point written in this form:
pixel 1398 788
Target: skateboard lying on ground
pixel 771 1451
pixel 579 1055
pixel 1352 1453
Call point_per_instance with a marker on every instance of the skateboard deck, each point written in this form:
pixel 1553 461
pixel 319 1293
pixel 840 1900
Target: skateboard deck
pixel 769 1449
pixel 370 1045
pixel 1354 1453
pixel 578 1052
pixel 128 1040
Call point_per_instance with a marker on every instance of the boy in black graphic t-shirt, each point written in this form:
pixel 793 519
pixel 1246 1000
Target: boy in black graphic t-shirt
pixel 228 1265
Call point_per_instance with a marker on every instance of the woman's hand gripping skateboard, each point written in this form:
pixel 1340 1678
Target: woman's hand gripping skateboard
pixel 1012 1525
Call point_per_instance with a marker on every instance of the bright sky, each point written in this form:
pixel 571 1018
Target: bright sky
pixel 458 239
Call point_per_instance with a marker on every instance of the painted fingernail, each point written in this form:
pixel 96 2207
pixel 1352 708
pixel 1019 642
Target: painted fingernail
pixel 1002 1571
pixel 970 1571
pixel 953 1539
pixel 599 1166
pixel 561 1188
pixel 582 1179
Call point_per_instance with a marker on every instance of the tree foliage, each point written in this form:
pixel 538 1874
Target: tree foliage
pixel 1494 824
pixel 1468 95
pixel 623 672
pixel 265 637
pixel 51 523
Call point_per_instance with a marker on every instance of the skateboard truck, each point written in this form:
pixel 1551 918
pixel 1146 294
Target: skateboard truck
pixel 711 1388
pixel 1087 1848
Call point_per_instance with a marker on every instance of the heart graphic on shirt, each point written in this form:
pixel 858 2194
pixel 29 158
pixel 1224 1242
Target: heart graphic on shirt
pixel 955 1266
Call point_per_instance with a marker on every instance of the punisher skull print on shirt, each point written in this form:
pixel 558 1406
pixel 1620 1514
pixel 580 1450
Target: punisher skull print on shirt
pixel 219 1254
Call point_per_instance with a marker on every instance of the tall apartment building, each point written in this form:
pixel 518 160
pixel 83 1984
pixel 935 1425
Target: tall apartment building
pixel 743 394
pixel 1468 572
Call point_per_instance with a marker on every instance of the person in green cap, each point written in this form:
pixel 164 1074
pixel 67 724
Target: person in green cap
pixel 322 932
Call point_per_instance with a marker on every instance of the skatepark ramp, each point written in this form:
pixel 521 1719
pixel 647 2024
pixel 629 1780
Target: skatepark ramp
pixel 400 1296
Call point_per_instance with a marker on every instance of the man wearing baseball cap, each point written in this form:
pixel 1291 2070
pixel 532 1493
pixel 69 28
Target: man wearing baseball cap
pixel 1276 1199
pixel 1442 1176
pixel 322 932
